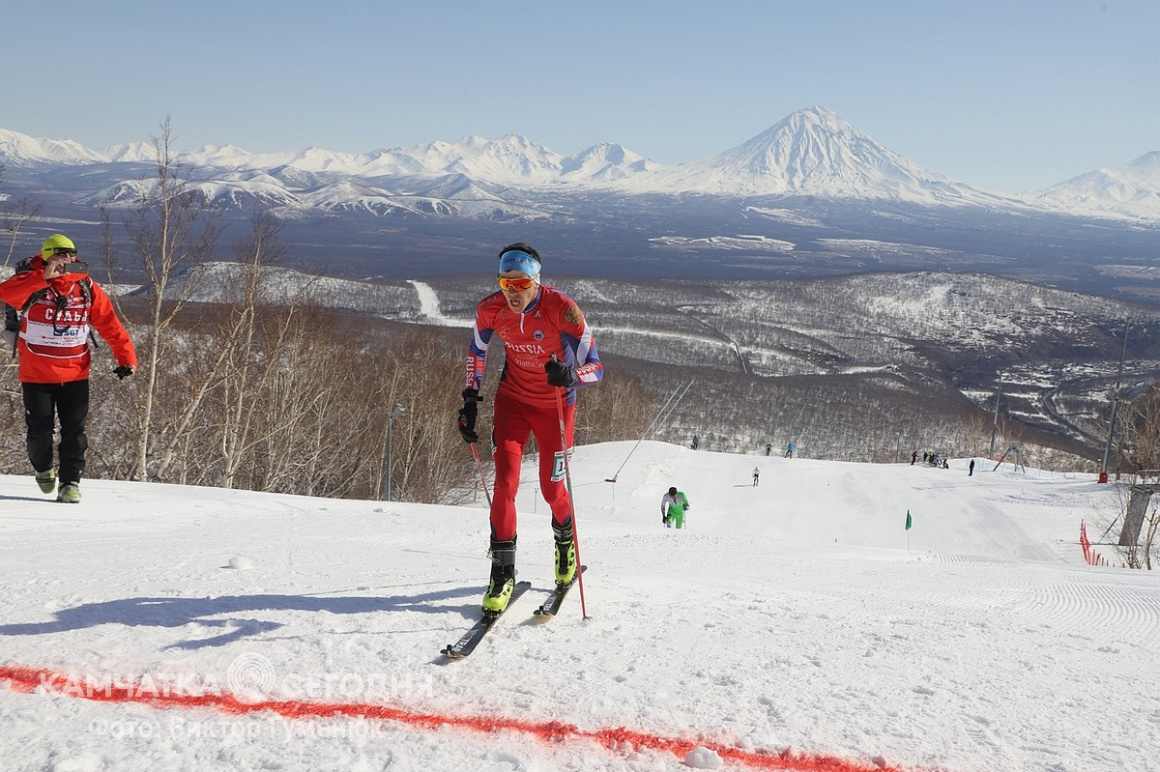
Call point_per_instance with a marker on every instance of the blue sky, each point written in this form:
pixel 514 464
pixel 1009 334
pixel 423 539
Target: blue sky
pixel 1010 95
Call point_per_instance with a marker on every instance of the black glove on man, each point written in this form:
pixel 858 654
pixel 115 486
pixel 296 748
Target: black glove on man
pixel 560 374
pixel 467 415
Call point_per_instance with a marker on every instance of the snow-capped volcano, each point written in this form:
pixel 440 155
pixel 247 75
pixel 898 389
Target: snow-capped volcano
pixel 1132 189
pixel 811 152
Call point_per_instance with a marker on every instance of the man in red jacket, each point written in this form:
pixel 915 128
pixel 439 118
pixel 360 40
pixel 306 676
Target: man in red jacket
pixel 63 304
pixel 547 346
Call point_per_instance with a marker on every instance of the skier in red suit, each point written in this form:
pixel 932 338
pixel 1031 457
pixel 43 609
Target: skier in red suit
pixel 548 346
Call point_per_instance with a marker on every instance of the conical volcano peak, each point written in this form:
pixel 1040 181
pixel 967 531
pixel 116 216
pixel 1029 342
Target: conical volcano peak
pixel 817 138
pixel 818 117
pixel 813 152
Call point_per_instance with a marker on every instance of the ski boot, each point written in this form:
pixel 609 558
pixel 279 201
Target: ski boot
pixel 565 553
pixel 69 493
pixel 503 576
pixel 46 480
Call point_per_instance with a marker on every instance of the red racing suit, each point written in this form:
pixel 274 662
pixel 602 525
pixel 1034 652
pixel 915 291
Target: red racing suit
pixel 525 404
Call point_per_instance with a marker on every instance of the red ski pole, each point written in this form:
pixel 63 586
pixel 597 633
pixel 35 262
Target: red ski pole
pixel 568 484
pixel 482 477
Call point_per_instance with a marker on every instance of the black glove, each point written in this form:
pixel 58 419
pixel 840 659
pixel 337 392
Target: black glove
pixel 123 372
pixel 665 519
pixel 467 415
pixel 560 374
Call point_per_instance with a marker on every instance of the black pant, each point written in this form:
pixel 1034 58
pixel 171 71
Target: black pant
pixel 43 402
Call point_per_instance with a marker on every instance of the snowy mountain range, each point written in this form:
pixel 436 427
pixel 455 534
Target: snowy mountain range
pixel 812 196
pixel 812 152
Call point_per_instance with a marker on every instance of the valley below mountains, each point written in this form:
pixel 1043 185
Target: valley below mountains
pixel 868 367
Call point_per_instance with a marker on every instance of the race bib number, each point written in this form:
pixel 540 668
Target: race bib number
pixel 558 467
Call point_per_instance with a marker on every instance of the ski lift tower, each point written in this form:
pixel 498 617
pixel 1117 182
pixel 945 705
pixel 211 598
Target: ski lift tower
pixel 1017 462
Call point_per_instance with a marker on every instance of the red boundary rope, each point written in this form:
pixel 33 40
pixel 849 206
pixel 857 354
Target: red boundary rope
pixel 33 680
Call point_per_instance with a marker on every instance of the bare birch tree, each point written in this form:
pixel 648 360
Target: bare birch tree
pixel 173 233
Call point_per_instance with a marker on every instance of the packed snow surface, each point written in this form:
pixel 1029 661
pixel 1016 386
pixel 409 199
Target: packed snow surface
pixel 793 625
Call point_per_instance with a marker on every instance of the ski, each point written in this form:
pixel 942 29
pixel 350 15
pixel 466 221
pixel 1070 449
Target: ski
pixel 551 606
pixel 472 637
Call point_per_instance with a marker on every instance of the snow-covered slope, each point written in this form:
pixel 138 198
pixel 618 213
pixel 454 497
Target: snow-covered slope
pixel 796 625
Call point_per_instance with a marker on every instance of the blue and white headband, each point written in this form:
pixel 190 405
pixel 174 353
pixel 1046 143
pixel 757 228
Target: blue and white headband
pixel 519 260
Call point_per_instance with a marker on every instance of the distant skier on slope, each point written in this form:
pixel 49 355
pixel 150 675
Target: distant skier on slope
pixel 674 504
pixel 548 346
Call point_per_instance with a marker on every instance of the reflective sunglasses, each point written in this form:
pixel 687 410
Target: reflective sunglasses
pixel 64 251
pixel 519 285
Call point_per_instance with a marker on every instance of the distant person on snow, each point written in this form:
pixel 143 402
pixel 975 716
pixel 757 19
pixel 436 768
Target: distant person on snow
pixel 756 475
pixel 548 346
pixel 914 457
pixel 63 304
pixel 674 504
pixel 768 448
pixel 696 441
pixel 971 469
pixel 788 450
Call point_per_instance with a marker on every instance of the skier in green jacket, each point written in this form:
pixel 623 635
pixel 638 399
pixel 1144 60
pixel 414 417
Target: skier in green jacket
pixel 673 507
